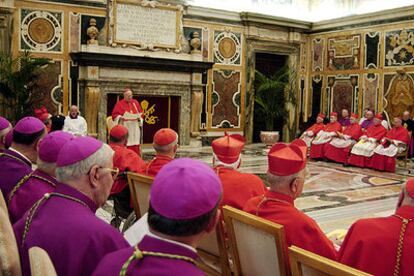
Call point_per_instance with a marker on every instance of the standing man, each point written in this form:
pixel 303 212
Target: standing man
pixel 75 123
pixel 16 161
pixel 286 175
pixel 128 112
pixel 396 141
pixel 182 210
pixel 383 246
pixel 237 187
pixel 43 180
pixel 165 144
pixel 63 222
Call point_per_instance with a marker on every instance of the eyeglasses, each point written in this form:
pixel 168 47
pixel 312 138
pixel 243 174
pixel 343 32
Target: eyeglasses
pixel 114 172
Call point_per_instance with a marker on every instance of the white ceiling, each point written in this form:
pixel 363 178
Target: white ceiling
pixel 307 10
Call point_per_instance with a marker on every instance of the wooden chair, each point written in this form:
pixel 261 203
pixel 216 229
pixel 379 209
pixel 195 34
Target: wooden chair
pixel 140 185
pixel 305 263
pixel 40 262
pixel 109 125
pixel 3 205
pixel 405 153
pixel 9 254
pixel 258 245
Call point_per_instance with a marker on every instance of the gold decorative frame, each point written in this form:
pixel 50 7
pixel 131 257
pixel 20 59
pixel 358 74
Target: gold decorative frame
pixel 153 5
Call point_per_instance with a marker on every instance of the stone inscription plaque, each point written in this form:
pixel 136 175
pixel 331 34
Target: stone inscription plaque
pixel 145 25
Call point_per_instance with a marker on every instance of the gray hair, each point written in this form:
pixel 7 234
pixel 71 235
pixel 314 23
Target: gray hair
pixel 74 171
pixel 276 180
pixel 45 166
pixel 165 148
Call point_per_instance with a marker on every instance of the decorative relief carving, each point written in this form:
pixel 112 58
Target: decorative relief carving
pixel 226 99
pixel 317 54
pixel 41 31
pixel 227 47
pixel 399 47
pixel 343 52
pixel 146 25
pixel 92 32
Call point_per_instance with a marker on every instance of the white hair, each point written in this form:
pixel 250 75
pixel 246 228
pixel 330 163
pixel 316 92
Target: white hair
pixel 234 165
pixel 165 148
pixel 45 166
pixel 5 131
pixel 276 180
pixel 73 171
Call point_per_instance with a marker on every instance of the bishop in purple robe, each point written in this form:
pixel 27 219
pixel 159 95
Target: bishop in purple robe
pixel 42 180
pixel 183 208
pixel 5 128
pixel 64 222
pixel 16 161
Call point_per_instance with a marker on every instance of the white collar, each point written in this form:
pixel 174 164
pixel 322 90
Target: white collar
pixel 171 241
pixel 21 154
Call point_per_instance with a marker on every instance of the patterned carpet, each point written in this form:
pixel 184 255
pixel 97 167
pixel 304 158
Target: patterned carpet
pixel 333 195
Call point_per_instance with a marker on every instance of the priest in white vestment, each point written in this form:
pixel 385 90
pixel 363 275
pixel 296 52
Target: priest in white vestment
pixel 75 123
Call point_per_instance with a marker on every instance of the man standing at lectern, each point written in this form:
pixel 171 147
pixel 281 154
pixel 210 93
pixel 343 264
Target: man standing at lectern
pixel 128 112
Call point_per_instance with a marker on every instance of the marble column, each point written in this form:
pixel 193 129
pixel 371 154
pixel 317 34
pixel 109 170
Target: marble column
pixel 92 99
pixel 196 105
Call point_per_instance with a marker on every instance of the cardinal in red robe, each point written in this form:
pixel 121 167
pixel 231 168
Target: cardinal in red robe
pixel 237 187
pixel 338 149
pixel 325 136
pixel 383 246
pixel 165 144
pixel 396 141
pixel 311 132
pixel 128 112
pixel 363 150
pixel 286 175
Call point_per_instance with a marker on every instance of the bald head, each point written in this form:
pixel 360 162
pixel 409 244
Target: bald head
pixel 406 115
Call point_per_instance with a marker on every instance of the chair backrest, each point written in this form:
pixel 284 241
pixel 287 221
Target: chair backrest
pixel 305 263
pixel 40 262
pixel 258 245
pixel 9 254
pixel 140 185
pixel 3 205
pixel 109 124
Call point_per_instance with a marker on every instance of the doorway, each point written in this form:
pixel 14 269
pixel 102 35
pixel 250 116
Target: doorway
pixel 267 64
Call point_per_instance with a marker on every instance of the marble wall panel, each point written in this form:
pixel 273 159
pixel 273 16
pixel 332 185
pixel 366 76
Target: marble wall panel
pixel 343 52
pixel 226 99
pixel 74 32
pixel 342 93
pixel 227 47
pixel 372 49
pixel 317 54
pixel 370 91
pixel 399 48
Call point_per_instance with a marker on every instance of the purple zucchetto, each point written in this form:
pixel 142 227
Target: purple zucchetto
pixel 29 125
pixel 185 189
pixel 50 146
pixel 77 149
pixel 4 123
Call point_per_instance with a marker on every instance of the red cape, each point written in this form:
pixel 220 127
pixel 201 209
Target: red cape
pixel 400 134
pixel 353 130
pixel 123 106
pixel 376 131
pixel 315 128
pixel 155 165
pixel 333 127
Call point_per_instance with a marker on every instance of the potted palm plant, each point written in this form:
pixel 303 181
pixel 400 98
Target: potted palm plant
pixel 272 94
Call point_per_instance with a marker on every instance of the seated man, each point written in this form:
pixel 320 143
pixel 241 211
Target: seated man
pixel 338 149
pixel 64 222
pixel 125 160
pixel 237 187
pixel 313 131
pixel 364 149
pixel 16 162
pixel 183 209
pixel 165 144
pixel 368 120
pixel 396 141
pixel 383 246
pixel 75 123
pixel 345 121
pixel 408 123
pixel 286 176
pixel 34 185
pixel 5 128
pixel 325 136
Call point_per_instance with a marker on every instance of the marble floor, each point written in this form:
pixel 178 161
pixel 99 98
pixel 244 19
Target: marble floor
pixel 333 195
